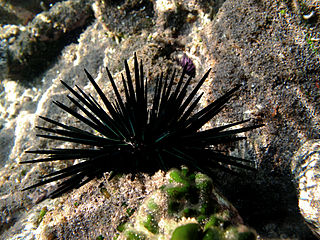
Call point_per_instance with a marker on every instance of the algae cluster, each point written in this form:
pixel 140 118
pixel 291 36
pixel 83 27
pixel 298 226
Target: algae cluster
pixel 185 208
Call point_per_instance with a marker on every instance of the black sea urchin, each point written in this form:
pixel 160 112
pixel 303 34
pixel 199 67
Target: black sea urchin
pixel 133 138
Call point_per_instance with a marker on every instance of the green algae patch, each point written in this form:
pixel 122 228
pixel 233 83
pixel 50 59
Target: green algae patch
pixel 213 233
pixel 178 192
pixel 177 176
pixel 186 207
pixel 190 194
pixel 121 226
pixel 152 206
pixel 129 212
pixel 191 231
pixel 203 182
pixel 213 221
pixel 42 213
pixel 133 235
pixel 151 224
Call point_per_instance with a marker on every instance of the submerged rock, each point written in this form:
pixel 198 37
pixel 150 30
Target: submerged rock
pixel 263 45
pixel 45 35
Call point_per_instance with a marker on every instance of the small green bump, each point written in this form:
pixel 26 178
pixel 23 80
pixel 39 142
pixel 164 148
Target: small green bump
pixel 192 177
pixel 151 224
pixel 186 212
pixel 176 176
pixel 129 212
pixel 213 233
pixel 152 205
pixel 121 226
pixel 203 209
pixel 203 182
pixel 231 233
pixel 191 231
pixel 131 235
pixel 100 237
pixel 177 192
pixel 201 219
pixel 213 221
pixel 247 236
pixel 42 213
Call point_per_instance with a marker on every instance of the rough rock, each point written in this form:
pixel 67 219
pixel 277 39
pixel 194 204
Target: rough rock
pixel 21 12
pixel 45 35
pixel 305 166
pixel 271 48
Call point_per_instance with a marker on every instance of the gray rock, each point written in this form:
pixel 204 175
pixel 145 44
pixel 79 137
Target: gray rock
pixel 45 35
pixel 20 11
pixel 262 45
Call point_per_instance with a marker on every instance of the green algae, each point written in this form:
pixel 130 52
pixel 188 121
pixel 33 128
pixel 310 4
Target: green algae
pixel 151 224
pixel 191 231
pixel 213 233
pixel 42 213
pixel 194 189
pixel 203 182
pixel 152 206
pixel 185 208
pixel 179 176
pixel 133 235
pixel 130 211
pixel 121 226
pixel 214 221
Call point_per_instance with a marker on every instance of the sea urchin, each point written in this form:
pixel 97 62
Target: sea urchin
pixel 131 137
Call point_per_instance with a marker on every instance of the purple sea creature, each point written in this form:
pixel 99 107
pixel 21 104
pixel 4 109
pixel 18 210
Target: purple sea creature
pixel 191 69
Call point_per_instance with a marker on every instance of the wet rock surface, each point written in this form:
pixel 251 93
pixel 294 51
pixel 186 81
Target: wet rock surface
pixel 271 48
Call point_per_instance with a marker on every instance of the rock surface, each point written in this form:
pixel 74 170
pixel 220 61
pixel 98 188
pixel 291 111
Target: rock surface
pixel 271 48
pixel 46 35
pixel 305 166
pixel 17 11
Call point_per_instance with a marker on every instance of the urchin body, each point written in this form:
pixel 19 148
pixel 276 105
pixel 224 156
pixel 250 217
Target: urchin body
pixel 134 138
